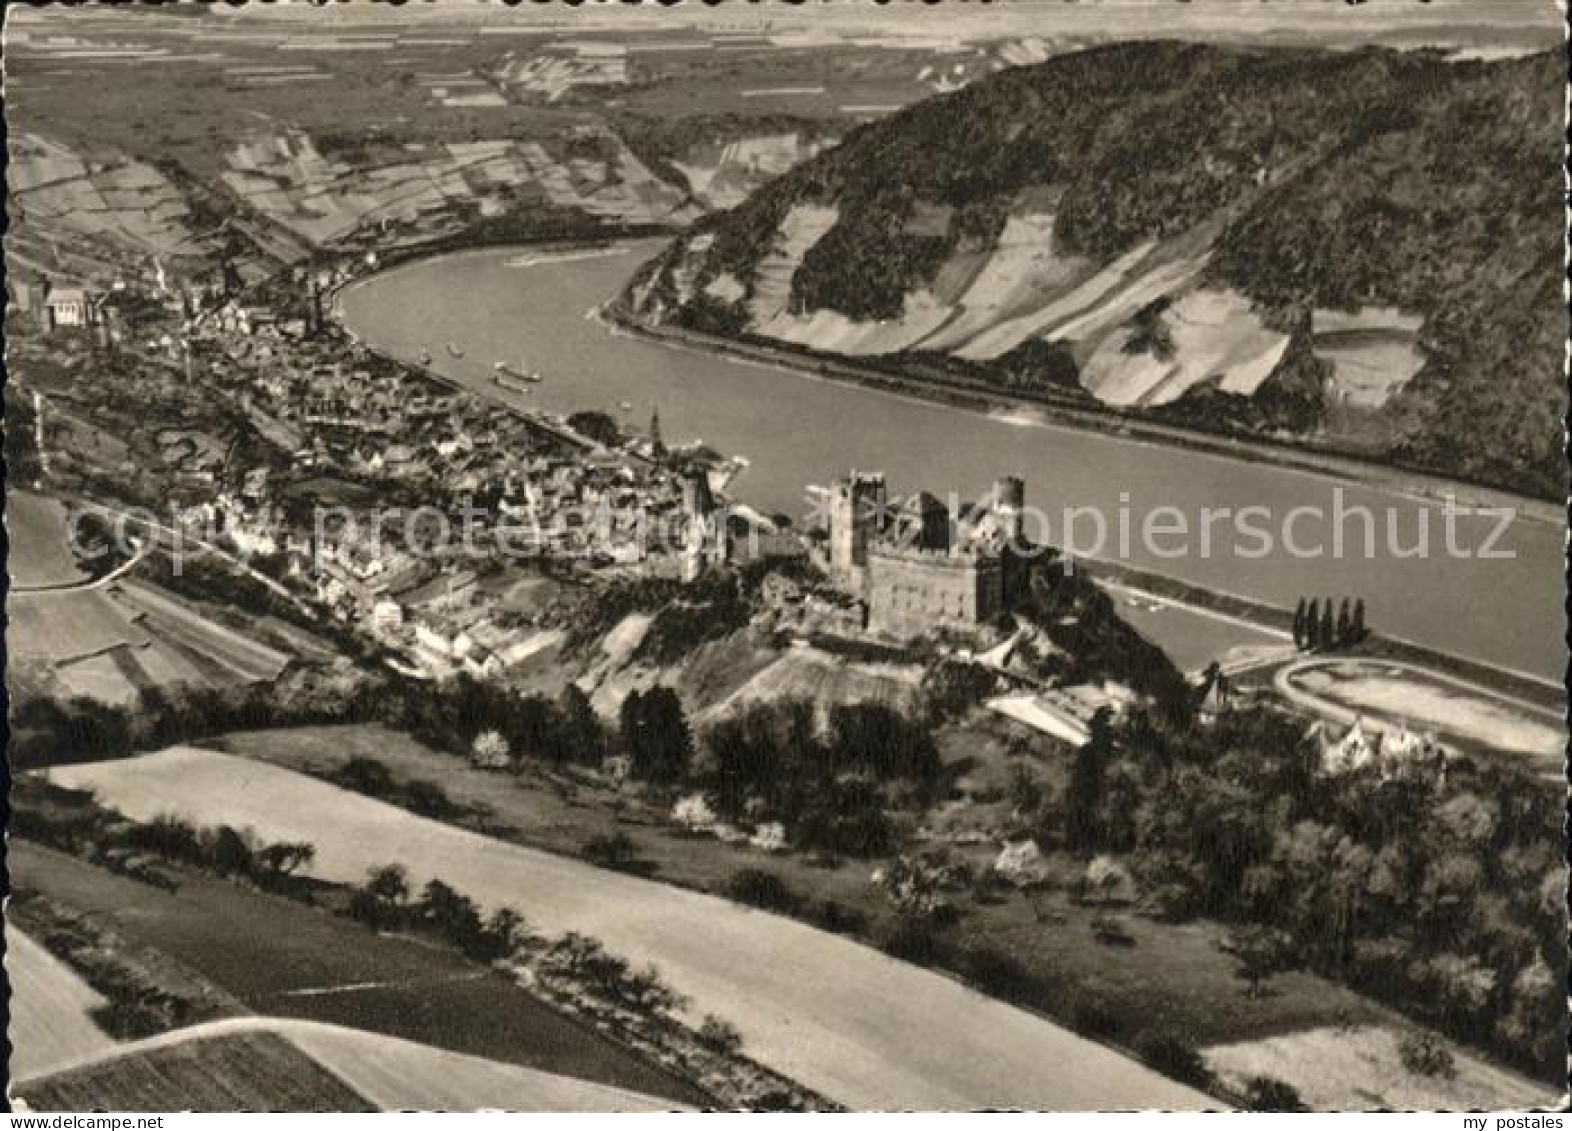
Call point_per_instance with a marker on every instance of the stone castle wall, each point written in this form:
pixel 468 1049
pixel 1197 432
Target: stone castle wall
pixel 911 591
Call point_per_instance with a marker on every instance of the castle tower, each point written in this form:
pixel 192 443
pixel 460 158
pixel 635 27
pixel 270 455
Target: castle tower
pixel 704 536
pixel 857 505
pixel 698 501
pixel 1008 506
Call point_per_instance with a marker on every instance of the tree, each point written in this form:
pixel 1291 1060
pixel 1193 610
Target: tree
pixel 284 858
pixel 1345 624
pixel 1360 632
pixel 656 733
pixel 507 929
pixel 228 851
pixel 597 426
pixel 1326 637
pixel 490 751
pixel 719 1036
pixel 693 813
pixel 583 738
pixel 1300 611
pixel 1259 953
pixel 389 883
pixel 1312 629
pixel 1084 798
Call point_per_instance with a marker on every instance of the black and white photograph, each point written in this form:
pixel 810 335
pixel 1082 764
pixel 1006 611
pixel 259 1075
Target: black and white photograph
pixel 786 557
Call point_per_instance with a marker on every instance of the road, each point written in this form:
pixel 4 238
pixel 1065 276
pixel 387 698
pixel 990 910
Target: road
pixel 843 1019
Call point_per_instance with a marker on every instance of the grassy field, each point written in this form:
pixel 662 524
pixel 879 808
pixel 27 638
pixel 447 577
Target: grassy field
pixel 843 1019
pixel 69 625
pixel 51 1009
pixel 1353 1067
pixel 285 959
pixel 39 553
pixel 233 1072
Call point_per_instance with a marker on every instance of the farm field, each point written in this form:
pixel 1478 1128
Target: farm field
pixel 51 1009
pixel 401 1076
pixel 1360 1068
pixel 114 642
pixel 285 959
pixel 267 1064
pixel 174 622
pixel 246 1071
pixel 68 625
pixel 845 1020
pixel 39 553
pixel 828 681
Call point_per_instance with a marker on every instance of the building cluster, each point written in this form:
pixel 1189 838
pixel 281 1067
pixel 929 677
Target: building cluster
pixel 914 563
pixel 370 439
pixel 1392 753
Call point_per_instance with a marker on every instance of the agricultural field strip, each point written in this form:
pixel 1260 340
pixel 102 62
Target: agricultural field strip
pixel 396 1074
pixel 51 1009
pixel 187 627
pixel 256 949
pixel 855 1025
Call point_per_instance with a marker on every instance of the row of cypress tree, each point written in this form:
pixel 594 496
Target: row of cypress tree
pixel 1316 627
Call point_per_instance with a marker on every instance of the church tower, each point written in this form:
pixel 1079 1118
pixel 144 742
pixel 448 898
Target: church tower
pixel 657 445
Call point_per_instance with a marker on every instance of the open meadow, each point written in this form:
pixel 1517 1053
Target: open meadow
pixel 39 555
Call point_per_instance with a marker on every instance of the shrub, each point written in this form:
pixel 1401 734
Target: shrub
pixel 428 799
pixel 765 890
pixel 1002 975
pixel 1093 1020
pixel 719 1036
pixel 1172 1057
pixel 835 916
pixel 365 775
pixel 769 837
pixel 1266 1093
pixel 612 850
pixel 1424 1054
pixel 910 939
pixel 693 813
pixel 490 751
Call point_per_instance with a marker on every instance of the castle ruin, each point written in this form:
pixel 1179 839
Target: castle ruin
pixel 917 565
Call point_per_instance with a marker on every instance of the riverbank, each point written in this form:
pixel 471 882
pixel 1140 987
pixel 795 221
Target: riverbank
pixel 957 392
pixel 1544 693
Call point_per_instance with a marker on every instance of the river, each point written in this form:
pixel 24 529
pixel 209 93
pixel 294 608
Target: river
pixel 531 307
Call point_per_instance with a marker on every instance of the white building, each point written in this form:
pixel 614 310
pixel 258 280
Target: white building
pixel 68 306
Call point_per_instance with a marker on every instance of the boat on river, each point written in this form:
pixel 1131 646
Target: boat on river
pixel 521 373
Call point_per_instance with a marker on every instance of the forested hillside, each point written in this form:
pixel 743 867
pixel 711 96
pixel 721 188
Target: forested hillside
pixel 1358 247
